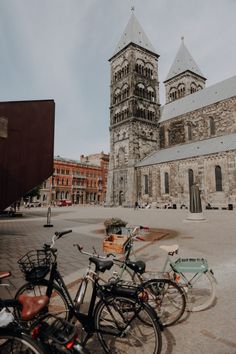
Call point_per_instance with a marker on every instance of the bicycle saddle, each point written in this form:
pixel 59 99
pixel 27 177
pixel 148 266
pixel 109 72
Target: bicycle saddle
pixel 137 267
pixel 170 249
pixel 32 305
pixel 101 265
pixel 4 275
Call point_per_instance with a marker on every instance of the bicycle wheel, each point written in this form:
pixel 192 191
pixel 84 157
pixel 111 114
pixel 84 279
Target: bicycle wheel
pixel 201 291
pixel 125 326
pixel 15 342
pixel 167 299
pixel 58 304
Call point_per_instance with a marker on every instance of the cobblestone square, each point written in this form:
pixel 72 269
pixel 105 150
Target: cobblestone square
pixel 207 332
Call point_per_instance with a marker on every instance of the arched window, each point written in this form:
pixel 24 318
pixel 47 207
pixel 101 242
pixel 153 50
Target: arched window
pixel 173 93
pixel 181 90
pixel 167 183
pixel 193 87
pixel 218 179
pixel 190 178
pixel 151 94
pixel 212 126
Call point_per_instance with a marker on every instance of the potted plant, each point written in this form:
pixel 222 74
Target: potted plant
pixel 114 226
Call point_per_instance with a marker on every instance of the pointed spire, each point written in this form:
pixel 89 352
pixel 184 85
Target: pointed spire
pixel 134 33
pixel 183 62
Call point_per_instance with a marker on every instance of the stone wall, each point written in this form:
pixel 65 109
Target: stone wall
pixel 223 113
pixel 204 175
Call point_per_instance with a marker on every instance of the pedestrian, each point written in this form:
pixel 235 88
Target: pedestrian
pixel 136 205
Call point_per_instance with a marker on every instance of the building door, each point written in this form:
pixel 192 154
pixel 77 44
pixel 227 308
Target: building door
pixel 121 197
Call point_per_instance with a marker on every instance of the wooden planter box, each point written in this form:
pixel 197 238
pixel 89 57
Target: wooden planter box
pixel 114 244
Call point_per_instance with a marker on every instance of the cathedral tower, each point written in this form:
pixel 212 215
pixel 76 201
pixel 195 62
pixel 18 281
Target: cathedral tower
pixel 184 76
pixel 134 111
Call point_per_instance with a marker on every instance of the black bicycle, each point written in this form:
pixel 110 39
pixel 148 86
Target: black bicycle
pixel 36 331
pixel 120 317
pixel 15 338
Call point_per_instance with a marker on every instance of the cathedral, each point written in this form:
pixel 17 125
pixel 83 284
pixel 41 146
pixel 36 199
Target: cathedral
pixel 157 152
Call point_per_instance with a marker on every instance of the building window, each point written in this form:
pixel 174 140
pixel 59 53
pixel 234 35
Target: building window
pixel 212 126
pixel 167 190
pixel 162 136
pixel 193 87
pixel 190 133
pixel 218 179
pixel 190 178
pixel 169 137
pixel 145 184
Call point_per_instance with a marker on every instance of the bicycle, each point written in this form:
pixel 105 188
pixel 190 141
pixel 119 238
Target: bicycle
pixel 194 276
pixel 13 337
pixel 120 317
pixel 191 274
pixel 164 295
pixel 44 333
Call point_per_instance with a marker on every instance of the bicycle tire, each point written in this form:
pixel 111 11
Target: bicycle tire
pixel 143 336
pixel 202 294
pixel 15 342
pixel 58 304
pixel 161 302
pixel 167 298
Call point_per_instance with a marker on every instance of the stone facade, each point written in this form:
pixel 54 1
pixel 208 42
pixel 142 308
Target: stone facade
pixel 183 85
pixel 136 134
pixel 134 113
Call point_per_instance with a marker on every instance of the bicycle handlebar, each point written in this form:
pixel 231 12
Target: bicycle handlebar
pixel 80 248
pixel 55 237
pixel 62 233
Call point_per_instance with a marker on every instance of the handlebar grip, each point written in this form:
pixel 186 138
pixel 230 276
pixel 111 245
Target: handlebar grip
pixel 62 233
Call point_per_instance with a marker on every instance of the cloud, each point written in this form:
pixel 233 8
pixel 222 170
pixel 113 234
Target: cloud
pixel 60 49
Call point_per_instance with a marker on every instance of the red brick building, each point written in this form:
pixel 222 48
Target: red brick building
pixel 81 182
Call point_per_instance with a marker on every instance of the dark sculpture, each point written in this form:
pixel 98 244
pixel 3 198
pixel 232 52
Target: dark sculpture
pixel 195 200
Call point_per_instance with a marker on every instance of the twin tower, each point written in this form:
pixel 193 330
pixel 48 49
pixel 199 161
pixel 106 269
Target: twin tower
pixel 135 106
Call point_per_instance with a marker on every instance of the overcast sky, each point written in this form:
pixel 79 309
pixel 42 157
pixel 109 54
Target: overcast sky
pixel 59 49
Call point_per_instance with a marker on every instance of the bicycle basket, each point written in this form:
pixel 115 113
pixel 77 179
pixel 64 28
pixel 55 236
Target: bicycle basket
pixel 35 264
pixel 58 330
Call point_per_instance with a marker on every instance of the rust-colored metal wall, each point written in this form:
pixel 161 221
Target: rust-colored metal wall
pixel 26 147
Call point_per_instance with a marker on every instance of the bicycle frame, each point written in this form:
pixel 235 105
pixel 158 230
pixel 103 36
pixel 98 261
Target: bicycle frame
pixel 87 320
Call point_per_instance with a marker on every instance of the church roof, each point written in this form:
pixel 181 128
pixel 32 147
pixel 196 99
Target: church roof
pixel 199 148
pixel 183 62
pixel 134 33
pixel 209 95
